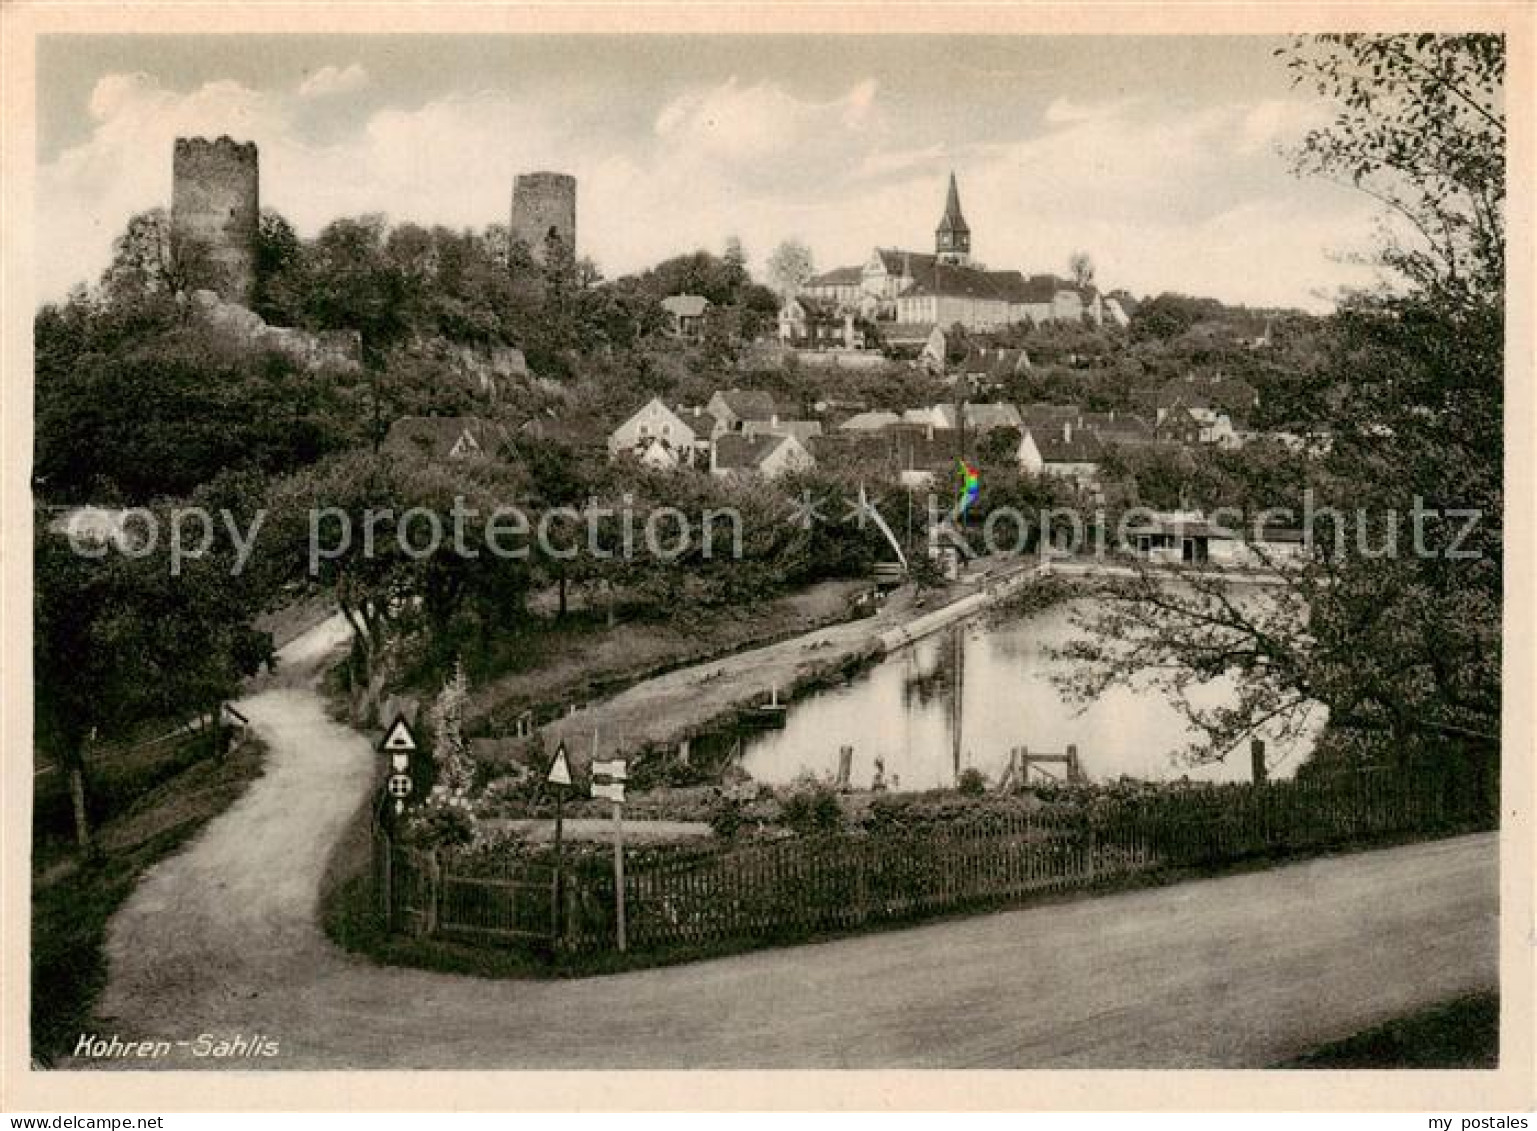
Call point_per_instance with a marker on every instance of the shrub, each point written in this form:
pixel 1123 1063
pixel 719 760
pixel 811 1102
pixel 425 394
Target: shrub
pixel 812 808
pixel 972 783
pixel 726 818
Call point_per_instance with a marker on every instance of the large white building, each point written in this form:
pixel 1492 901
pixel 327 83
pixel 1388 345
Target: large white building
pixel 945 287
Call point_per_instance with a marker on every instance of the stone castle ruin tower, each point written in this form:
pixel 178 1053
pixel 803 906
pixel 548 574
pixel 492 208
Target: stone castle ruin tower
pixel 216 214
pixel 544 214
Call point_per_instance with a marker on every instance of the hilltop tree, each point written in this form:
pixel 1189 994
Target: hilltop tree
pixel 790 266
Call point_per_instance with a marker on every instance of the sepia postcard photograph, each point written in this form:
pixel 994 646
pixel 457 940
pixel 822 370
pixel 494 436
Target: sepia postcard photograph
pixel 734 540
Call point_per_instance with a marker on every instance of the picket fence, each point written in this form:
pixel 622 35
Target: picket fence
pixel 810 885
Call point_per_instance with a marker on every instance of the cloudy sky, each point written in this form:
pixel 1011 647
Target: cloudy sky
pixel 1158 156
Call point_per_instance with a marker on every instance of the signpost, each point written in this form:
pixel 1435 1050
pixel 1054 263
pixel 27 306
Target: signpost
pixel 613 772
pixel 559 777
pixel 399 742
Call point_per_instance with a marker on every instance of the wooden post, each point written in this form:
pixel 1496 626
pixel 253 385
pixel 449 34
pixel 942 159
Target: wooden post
pixel 1257 760
pixel 1073 772
pixel 387 881
pixel 434 893
pixel 560 872
pixel 845 766
pixel 619 874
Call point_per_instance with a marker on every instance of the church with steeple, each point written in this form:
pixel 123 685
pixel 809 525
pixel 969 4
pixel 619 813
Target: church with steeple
pixel 913 290
pixel 952 239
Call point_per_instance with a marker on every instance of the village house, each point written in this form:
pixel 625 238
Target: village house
pixel 686 314
pixel 732 408
pixel 657 436
pixel 1188 537
pixel 1065 452
pixel 802 430
pixel 807 322
pixel 440 438
pixel 988 367
pixel 765 456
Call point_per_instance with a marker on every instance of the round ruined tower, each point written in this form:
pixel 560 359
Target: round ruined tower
pixel 216 214
pixel 544 212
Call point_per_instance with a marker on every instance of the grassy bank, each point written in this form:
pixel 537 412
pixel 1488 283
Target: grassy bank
pixel 72 900
pixel 583 657
pixel 1464 1033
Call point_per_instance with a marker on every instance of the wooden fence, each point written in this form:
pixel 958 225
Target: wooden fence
pixel 805 886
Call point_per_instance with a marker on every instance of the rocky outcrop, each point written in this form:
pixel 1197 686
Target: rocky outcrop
pixel 329 349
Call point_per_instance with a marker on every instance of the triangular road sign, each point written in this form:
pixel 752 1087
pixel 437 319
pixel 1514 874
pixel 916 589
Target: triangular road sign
pixel 560 769
pixel 399 739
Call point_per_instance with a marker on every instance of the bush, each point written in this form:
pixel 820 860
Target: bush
pixel 972 783
pixel 726 818
pixel 812 808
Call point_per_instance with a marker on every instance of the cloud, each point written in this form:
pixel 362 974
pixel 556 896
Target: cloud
pixel 1189 198
pixel 766 137
pixel 331 80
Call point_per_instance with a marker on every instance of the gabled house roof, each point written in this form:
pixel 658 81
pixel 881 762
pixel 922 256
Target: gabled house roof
pixel 802 430
pixel 869 422
pixel 748 404
pixel 815 307
pixel 839 277
pixel 1084 447
pixel 985 417
pixel 736 451
pixel 703 423
pixel 444 437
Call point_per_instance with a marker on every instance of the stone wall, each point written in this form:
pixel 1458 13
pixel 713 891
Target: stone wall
pixel 216 213
pixel 544 210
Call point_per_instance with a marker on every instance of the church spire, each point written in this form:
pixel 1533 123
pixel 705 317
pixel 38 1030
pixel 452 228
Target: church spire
pixel 952 239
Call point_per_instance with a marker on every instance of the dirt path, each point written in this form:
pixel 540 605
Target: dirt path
pixel 1236 972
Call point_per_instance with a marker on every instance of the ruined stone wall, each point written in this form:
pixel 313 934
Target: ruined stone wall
pixel 544 210
pixel 216 213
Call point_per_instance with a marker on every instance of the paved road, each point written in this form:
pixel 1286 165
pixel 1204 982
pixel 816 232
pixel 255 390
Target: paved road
pixel 1236 972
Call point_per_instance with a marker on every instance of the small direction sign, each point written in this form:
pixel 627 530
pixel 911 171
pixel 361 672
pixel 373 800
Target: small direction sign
pixel 614 768
pixel 613 791
pixel 399 739
pixel 560 768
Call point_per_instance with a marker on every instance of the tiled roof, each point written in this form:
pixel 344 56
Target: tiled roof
pixel 802 430
pixel 749 404
pixel 869 421
pixel 702 422
pixel 985 417
pixel 1082 448
pixel 817 307
pixel 839 277
pixel 436 436
pixel 737 452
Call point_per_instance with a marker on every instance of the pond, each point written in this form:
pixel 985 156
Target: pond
pixel 965 696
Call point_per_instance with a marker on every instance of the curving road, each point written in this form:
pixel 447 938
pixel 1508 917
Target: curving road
pixel 1242 971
